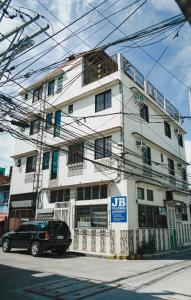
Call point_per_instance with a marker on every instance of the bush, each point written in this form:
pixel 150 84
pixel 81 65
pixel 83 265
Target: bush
pixel 147 247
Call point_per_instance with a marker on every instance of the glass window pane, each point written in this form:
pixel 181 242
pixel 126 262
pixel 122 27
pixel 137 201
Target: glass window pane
pixel 107 99
pixel 99 148
pixel 103 191
pixel 108 151
pixel 83 216
pixel 95 192
pixel 67 195
pixel 88 193
pixel 149 195
pixel 80 194
pixel 51 87
pixel 60 195
pixel 48 121
pixel 57 123
pixel 99 216
pixel 53 196
pixel 45 160
pixel 140 193
pixel 99 102
pixel 54 167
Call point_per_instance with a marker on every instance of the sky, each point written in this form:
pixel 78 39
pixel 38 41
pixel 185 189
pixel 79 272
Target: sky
pixel 59 13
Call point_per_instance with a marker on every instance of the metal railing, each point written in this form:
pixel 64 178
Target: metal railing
pixel 138 78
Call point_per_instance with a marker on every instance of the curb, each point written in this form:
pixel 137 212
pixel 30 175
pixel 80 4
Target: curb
pixel 129 257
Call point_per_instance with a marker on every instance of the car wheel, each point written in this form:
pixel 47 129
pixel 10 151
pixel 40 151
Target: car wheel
pixel 6 246
pixel 35 249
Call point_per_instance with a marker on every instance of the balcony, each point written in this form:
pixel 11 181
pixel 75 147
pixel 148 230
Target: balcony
pixel 138 78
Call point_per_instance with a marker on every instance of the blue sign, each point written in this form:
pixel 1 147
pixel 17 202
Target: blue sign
pixel 119 209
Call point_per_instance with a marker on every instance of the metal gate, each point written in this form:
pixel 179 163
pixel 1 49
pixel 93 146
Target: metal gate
pixel 172 227
pixel 62 212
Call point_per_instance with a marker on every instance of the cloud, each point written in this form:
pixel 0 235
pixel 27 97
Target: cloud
pixel 6 150
pixel 167 6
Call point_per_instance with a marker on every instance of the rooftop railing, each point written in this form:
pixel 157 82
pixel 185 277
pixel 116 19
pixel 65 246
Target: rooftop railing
pixel 138 78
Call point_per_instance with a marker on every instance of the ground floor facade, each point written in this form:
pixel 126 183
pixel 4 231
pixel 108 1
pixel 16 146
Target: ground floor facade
pixel 111 217
pixel 119 218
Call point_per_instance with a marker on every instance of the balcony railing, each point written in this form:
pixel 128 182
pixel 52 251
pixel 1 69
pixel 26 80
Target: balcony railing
pixel 138 78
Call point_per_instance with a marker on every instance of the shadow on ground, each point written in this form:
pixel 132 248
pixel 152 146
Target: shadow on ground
pixel 26 284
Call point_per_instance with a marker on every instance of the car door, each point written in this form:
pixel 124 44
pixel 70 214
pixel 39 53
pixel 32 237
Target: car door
pixel 31 233
pixel 18 239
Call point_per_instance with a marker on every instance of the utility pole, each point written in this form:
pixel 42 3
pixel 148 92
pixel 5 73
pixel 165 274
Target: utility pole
pixel 19 41
pixel 185 6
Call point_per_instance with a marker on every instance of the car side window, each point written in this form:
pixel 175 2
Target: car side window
pixel 32 227
pixel 22 228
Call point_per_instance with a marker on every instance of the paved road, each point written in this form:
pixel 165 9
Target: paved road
pixel 74 277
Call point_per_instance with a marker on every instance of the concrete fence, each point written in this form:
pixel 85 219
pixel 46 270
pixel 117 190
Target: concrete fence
pixel 126 242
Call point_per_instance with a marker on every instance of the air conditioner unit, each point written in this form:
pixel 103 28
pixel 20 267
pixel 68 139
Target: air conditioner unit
pixel 18 162
pixel 177 131
pixel 141 145
pixel 138 97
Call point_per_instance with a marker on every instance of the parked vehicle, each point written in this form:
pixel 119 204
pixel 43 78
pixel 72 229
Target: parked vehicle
pixel 39 236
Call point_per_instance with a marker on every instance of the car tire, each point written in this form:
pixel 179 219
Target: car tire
pixel 35 249
pixel 6 246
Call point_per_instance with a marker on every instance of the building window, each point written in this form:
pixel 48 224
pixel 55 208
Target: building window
pixel 140 193
pixel 161 158
pixel 70 108
pixel 48 121
pixel 59 83
pixel 45 160
pixel 34 127
pixel 152 216
pixel 37 94
pixel 171 170
pixel 103 101
pixel 184 174
pixel 150 195
pixel 54 165
pixel 184 212
pixel 26 96
pixel 167 129
pixel 51 87
pixel 103 147
pixel 169 195
pixel 92 216
pixel 31 164
pixel 57 123
pixel 59 195
pixel 76 153
pixel 146 155
pixel 144 112
pixel 91 192
pixel 180 140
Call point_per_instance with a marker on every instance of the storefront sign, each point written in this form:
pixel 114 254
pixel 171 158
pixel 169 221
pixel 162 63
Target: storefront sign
pixel 119 209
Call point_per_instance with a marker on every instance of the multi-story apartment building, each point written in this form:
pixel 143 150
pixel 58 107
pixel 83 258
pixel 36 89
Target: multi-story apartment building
pixel 109 157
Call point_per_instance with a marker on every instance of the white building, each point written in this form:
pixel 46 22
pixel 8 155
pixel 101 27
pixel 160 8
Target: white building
pixel 103 132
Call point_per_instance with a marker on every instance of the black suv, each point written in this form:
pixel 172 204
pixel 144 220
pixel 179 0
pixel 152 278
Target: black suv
pixel 38 236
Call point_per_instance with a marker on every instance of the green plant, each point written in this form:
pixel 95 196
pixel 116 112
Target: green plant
pixel 147 247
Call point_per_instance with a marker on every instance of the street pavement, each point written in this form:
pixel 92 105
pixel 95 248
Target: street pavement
pixel 73 277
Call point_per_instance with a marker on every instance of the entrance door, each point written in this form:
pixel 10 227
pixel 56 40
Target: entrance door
pixel 62 214
pixel 172 227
